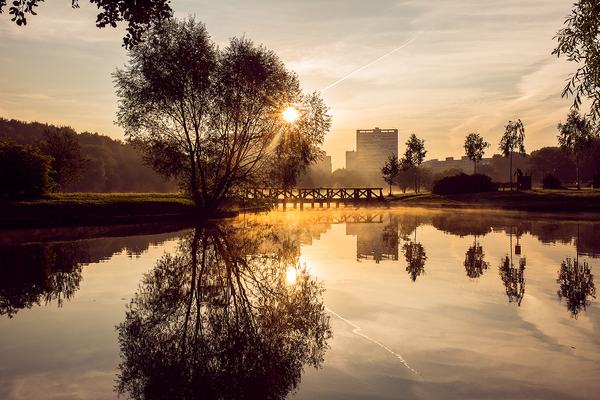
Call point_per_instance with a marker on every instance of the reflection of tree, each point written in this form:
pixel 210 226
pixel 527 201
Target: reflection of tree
pixel 219 319
pixel 513 279
pixel 415 257
pixel 576 284
pixel 474 264
pixel 32 274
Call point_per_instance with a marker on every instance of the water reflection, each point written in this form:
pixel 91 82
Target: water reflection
pixel 42 273
pixel 232 314
pixel 576 284
pixel 513 277
pixel 35 274
pixel 474 263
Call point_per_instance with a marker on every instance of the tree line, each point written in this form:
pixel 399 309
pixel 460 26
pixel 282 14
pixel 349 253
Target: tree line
pixel 89 162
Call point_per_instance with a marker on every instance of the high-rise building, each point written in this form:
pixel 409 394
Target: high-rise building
pixel 351 160
pixel 373 147
pixel 323 165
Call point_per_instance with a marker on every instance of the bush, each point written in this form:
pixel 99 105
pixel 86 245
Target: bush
pixel 462 183
pixel 23 171
pixel 551 181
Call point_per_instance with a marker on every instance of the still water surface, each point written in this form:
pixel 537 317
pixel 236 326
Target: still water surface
pixel 354 304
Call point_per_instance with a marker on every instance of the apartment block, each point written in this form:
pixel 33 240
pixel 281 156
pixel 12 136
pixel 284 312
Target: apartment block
pixel 373 147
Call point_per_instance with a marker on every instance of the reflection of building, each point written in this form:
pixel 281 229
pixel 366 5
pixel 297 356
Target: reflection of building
pixel 463 163
pixel 373 147
pixel 370 244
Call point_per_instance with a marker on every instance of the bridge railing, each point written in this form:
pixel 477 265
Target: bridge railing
pixel 311 195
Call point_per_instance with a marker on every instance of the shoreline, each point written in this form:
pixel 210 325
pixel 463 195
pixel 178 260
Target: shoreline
pixel 85 209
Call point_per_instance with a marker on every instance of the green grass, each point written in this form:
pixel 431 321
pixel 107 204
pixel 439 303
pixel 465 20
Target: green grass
pixel 74 205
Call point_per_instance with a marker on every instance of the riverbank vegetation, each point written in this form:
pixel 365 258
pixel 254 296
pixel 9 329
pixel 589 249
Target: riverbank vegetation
pixel 62 206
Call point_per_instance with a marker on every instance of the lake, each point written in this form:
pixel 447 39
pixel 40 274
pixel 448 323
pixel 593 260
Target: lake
pixel 319 304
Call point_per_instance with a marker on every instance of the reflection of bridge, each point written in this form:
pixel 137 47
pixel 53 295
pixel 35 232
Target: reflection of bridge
pixel 314 196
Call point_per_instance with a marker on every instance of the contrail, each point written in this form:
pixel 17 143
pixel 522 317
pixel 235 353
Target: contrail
pixel 371 63
pixel 357 331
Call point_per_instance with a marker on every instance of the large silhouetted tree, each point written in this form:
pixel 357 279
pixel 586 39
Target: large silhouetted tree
pixel 212 119
pixel 575 136
pixel 513 139
pixel 475 148
pixel 138 14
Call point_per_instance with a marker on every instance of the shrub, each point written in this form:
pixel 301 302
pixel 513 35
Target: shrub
pixel 551 181
pixel 23 170
pixel 462 183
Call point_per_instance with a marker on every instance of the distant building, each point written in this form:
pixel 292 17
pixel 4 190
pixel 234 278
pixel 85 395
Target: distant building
pixel 351 160
pixel 463 163
pixel 323 165
pixel 373 147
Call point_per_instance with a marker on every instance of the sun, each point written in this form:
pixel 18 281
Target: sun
pixel 291 275
pixel 290 114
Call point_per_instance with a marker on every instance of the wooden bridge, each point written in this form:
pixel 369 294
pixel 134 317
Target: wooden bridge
pixel 312 196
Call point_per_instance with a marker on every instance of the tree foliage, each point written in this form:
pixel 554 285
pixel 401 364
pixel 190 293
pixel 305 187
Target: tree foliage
pixel 138 14
pixel 578 41
pixel 475 148
pixel 24 171
pixel 390 170
pixel 513 139
pixel 551 160
pixel 68 163
pixel 212 119
pixel 413 156
pixel 575 136
pixel 114 166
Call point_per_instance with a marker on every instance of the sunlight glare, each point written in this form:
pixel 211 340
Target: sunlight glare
pixel 291 275
pixel 290 115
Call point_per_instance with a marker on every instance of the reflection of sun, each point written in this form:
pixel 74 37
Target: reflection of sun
pixel 290 115
pixel 291 275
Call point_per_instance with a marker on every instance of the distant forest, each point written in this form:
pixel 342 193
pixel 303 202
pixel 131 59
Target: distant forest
pixel 114 165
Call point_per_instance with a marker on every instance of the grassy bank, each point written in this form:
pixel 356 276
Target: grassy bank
pixel 585 200
pixel 100 205
pixel 94 205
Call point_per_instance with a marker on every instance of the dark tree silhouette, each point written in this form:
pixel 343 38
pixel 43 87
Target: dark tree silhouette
pixel 475 148
pixel 24 171
pixel 576 285
pixel 578 41
pixel 415 258
pixel 513 279
pixel 39 273
pixel 68 163
pixel 138 14
pixel 390 170
pixel 413 157
pixel 575 136
pixel 213 119
pixel 513 139
pixel 474 264
pixel 221 319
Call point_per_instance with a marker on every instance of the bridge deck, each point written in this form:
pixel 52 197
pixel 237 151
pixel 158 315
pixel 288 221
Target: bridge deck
pixel 314 196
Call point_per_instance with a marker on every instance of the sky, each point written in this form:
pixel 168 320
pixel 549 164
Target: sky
pixel 464 66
